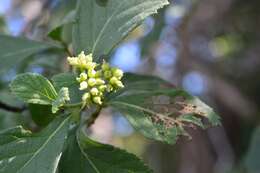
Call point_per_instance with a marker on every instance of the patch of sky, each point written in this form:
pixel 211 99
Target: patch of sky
pixel 127 56
pixel 194 83
pixel 4 6
pixel 15 24
pixel 36 69
pixel 121 125
pixel 9 76
pixel 166 55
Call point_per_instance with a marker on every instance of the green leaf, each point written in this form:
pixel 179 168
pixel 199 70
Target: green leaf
pixel 62 98
pixel 68 80
pixel 101 25
pixel 56 32
pixel 41 114
pixel 23 152
pixel 98 158
pixel 33 88
pixel 10 119
pixel 72 160
pixel 134 82
pixel 15 50
pixel 253 156
pixel 143 82
pixel 7 98
pixel 11 134
pixel 163 114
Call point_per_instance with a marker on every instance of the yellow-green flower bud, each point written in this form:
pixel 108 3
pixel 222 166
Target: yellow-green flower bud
pixel 102 88
pixel 82 61
pixel 113 80
pixel 98 74
pixel 82 77
pixel 73 61
pixel 105 66
pixel 81 55
pixel 100 82
pixel 94 91
pixel 119 84
pixel 91 65
pixel 83 85
pixel 92 82
pixel 117 73
pixel 96 79
pixel 89 58
pixel 86 97
pixel 109 88
pixel 91 73
pixel 107 74
pixel 97 100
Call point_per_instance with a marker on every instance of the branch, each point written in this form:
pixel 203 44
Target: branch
pixel 93 117
pixel 11 108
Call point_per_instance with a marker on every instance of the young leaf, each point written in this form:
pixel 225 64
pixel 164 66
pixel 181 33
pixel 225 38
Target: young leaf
pixel 99 158
pixel 163 114
pixel 62 98
pixel 100 27
pixel 23 152
pixel 33 88
pixel 13 50
pixel 68 80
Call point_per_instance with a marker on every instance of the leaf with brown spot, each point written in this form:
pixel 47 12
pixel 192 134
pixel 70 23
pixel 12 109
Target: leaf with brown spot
pixel 163 114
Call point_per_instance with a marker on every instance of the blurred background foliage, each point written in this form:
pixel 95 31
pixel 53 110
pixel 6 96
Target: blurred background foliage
pixel 210 48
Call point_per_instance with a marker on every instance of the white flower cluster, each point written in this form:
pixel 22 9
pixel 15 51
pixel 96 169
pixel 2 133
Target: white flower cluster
pixel 96 79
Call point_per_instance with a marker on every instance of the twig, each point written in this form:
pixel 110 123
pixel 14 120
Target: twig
pixel 93 117
pixel 11 108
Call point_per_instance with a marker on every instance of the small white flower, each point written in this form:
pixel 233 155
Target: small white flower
pixel 83 85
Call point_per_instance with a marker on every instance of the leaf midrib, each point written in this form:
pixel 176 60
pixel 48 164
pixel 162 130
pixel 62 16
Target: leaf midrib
pixel 24 51
pixel 136 107
pixel 105 25
pixel 87 157
pixel 44 144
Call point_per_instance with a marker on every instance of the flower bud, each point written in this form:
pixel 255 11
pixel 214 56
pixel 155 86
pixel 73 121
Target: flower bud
pixel 105 66
pixel 81 55
pixel 119 84
pixel 92 81
pixel 86 97
pixel 107 74
pixel 91 73
pixel 73 61
pixel 113 80
pixel 94 91
pixel 82 60
pixel 100 82
pixel 102 88
pixel 90 65
pixel 117 73
pixel 82 77
pixel 97 100
pixel 109 88
pixel 83 85
pixel 89 58
pixel 98 74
